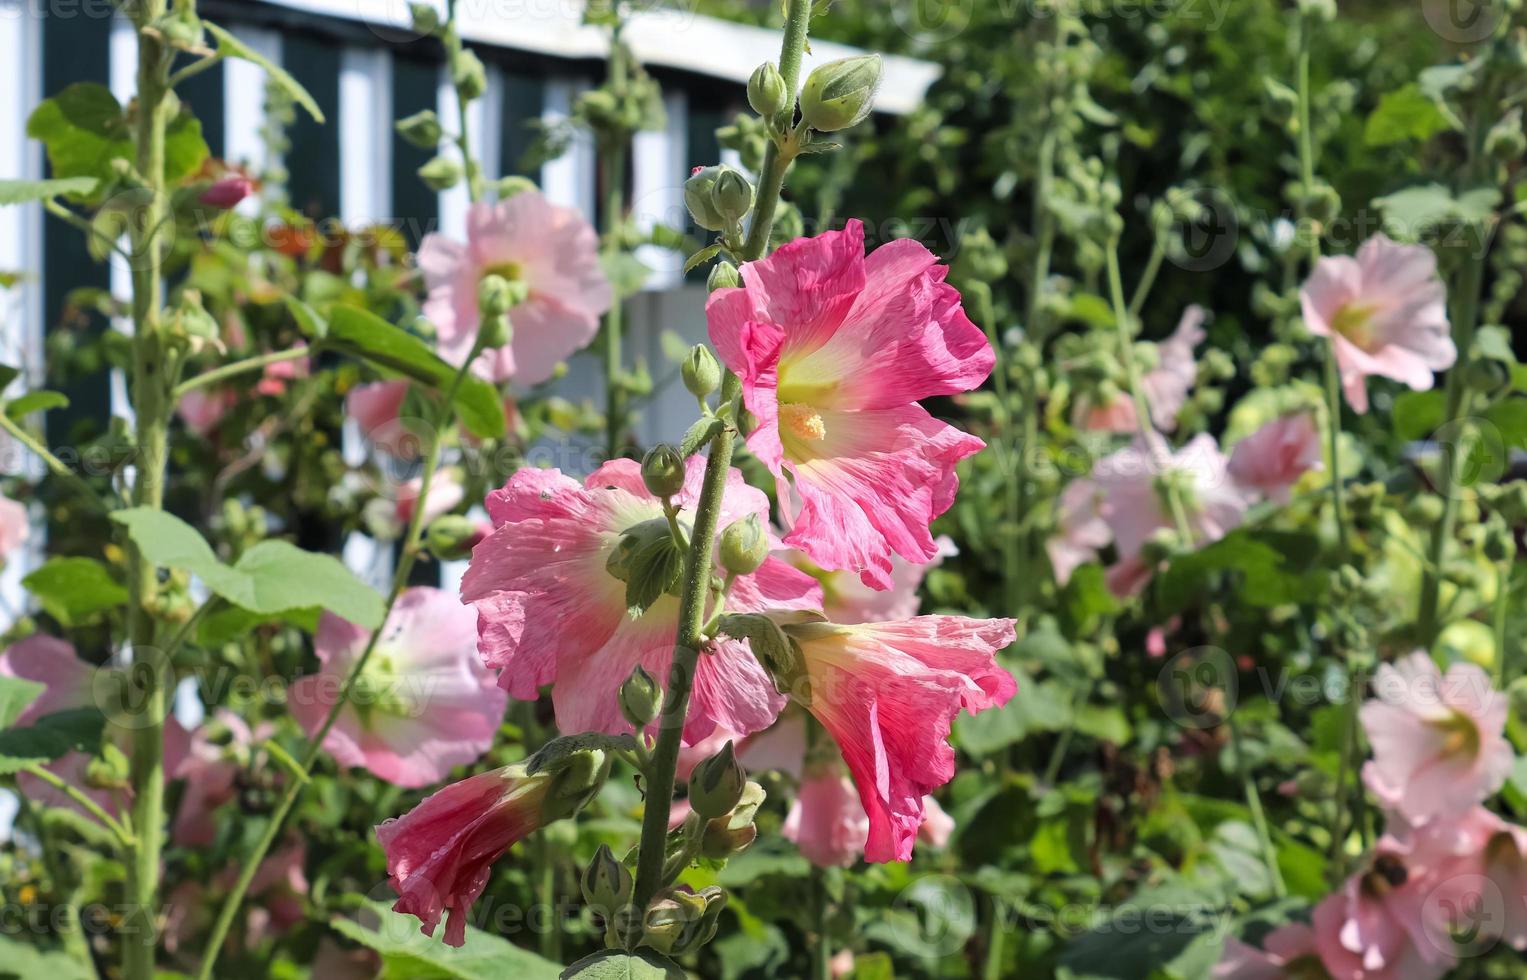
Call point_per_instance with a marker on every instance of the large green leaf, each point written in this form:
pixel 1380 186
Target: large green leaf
pixel 1404 115
pixel 75 730
pixel 20 958
pixel 406 952
pixel 613 964
pixel 270 578
pixel 231 47
pixel 85 130
pixel 22 191
pixel 365 335
pixel 15 695
pixel 74 589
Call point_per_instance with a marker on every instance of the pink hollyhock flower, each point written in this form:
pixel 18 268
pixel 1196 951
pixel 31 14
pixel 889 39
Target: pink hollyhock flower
pixel 552 250
pixel 228 192
pixel 274 378
pixel 280 887
pixel 445 494
pixel 1136 503
pixel 1079 529
pixel 781 747
pixel 1385 310
pixel 376 406
pixel 1438 740
pixel 846 599
pixel 887 693
pixel 938 825
pixel 203 408
pixel 1165 386
pixel 424 704
pixel 15 526
pixel 217 753
pixel 834 350
pixel 1372 928
pixel 1288 953
pixel 826 820
pixel 1273 458
pixel 550 612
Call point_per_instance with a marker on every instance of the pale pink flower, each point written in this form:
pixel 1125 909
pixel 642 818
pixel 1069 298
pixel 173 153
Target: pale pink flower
pixel 376 406
pixel 273 380
pixel 1164 386
pixel 1136 504
pixel 15 526
pixel 1373 928
pixel 938 825
pixel 834 350
pixel 440 853
pixel 826 821
pixel 280 885
pixel 1476 894
pixel 1438 740
pixel 842 963
pixel 1288 953
pixel 203 408
pixel 550 612
pixel 424 703
pixel 218 752
pixel 1079 529
pixel 888 693
pixel 445 494
pixel 780 747
pixel 553 250
pixel 1273 458
pixel 1385 310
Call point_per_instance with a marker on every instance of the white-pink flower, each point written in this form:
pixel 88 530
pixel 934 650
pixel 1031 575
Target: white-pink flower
pixel 1273 458
pixel 1165 386
pixel 15 526
pixel 1079 528
pixel 445 493
pixel 1438 740
pixel 1385 310
pixel 424 703
pixel 553 250
pixel 1287 953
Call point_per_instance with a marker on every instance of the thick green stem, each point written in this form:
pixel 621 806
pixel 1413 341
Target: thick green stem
pixel 411 547
pixel 697 571
pixel 776 161
pixel 612 155
pixel 151 405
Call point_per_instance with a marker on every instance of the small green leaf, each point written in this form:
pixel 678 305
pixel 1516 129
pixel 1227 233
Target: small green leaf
pixel 700 258
pixel 16 694
pixel 22 191
pixel 23 958
pixel 35 401
pixel 1406 114
pixel 308 320
pixel 613 964
pixel 51 736
pixel 406 952
pixel 84 130
pixel 231 47
pixel 75 589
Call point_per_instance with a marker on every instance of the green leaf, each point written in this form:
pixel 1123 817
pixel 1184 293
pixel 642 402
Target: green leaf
pixel 1417 414
pixel 363 334
pixel 84 130
pixel 1270 569
pixel 308 320
pixel 613 964
pixel 19 958
pixel 1410 213
pixel 35 401
pixel 16 695
pixel 1170 930
pixel 1036 707
pixel 51 736
pixel 231 47
pixel 22 191
pixel 1510 418
pixel 1406 114
pixel 73 590
pixel 406 952
pixel 704 255
pixel 627 275
pixel 270 578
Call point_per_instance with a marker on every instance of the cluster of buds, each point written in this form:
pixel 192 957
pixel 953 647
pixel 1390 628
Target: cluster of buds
pixel 719 198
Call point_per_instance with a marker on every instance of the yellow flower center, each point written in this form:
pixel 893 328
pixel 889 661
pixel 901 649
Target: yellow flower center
pixel 1460 736
pixel 511 271
pixel 802 420
pixel 1354 322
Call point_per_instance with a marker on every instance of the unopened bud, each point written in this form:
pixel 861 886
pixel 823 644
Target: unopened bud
pixel 426 19
pixel 697 197
pixel 494 295
pixel 766 90
pixel 514 184
pixel 1319 11
pixel 841 93
pixel 452 537
pixel 469 76
pixel 701 372
pixel 606 882
pixel 744 546
pixel 723 275
pixel 732 834
pixel 1505 140
pixel 640 698
pixel 663 471
pixel 716 784
pixel 422 129
pixel 732 195
pixel 441 173
pixel 110 770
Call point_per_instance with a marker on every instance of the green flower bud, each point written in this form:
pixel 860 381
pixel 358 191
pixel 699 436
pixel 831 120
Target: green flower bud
pixel 766 90
pixel 422 129
pixel 731 195
pixel 663 470
pixel 494 295
pixel 579 774
pixel 441 173
pixel 469 76
pixel 1424 510
pixel 509 186
pixel 841 93
pixel 426 19
pixel 1319 11
pixel 697 197
pixel 640 698
pixel 723 275
pixel 108 771
pixel 734 833
pixel 716 784
pixel 606 883
pixel 1279 102
pixel 671 922
pixel 744 546
pixel 701 372
pixel 451 537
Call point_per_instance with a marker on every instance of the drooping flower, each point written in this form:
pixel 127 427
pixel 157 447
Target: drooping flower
pixel 1438 740
pixel 834 350
pixel 846 599
pixel 1079 529
pixel 1385 310
pixel 440 853
pixel 826 820
pixel 424 703
pixel 1139 485
pixel 888 693
pixel 1273 458
pixel 553 250
pixel 550 611
pixel 1288 953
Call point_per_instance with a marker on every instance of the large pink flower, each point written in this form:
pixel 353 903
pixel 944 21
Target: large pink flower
pixel 1385 310
pixel 549 610
pixel 424 703
pixel 888 693
pixel 1438 740
pixel 826 820
pixel 441 852
pixel 552 250
pixel 1273 458
pixel 1287 953
pixel 834 350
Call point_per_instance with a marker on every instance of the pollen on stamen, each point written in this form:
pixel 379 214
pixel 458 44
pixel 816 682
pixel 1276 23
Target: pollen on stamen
pixel 803 420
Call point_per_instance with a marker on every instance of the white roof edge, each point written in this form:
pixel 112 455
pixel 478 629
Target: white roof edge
pixel 665 37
